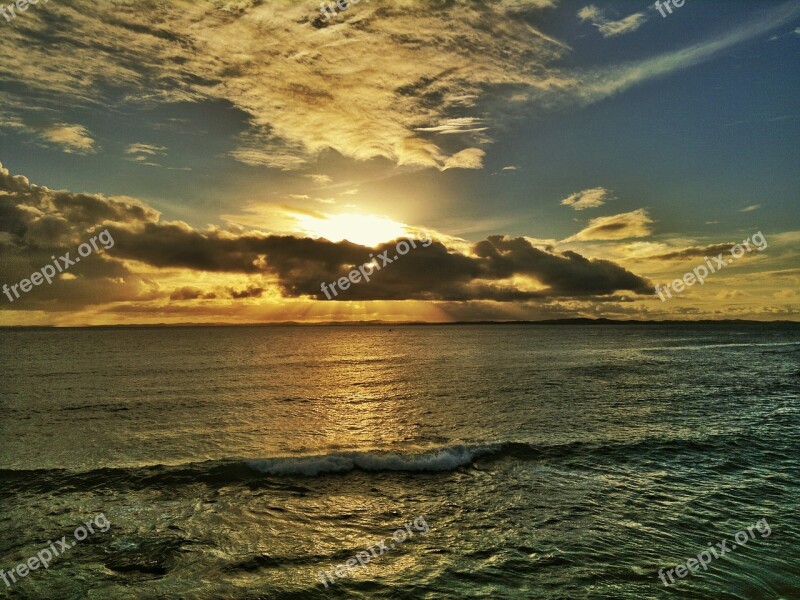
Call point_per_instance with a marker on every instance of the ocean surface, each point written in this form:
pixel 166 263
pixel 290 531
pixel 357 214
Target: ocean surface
pixel 551 462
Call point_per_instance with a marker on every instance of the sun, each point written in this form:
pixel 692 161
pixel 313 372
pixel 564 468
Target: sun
pixel 366 230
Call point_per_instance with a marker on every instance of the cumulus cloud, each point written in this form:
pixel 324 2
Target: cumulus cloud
pixel 36 222
pixel 432 273
pixel 591 198
pixel 632 224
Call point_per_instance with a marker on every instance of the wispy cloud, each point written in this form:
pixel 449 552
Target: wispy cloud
pixel 471 158
pixel 307 86
pixel 70 137
pixel 610 28
pixel 591 198
pixel 73 139
pixel 320 179
pixel 148 149
pixel 634 224
pixel 596 85
pixel 457 125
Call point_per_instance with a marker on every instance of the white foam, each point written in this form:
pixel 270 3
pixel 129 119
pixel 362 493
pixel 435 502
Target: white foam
pixel 443 459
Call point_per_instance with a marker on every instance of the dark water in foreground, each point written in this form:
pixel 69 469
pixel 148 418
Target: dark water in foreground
pixel 546 461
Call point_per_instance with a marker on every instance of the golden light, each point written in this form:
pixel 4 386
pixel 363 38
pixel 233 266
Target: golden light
pixel 367 230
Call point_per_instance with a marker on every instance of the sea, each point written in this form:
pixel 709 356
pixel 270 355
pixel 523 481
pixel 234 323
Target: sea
pixel 456 461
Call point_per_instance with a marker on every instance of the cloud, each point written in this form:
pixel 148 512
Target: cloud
pixel 191 293
pixel 432 273
pixel 305 87
pixel 456 125
pixel 143 154
pixel 146 149
pixel 320 179
pixel 730 294
pixel 260 149
pixel 524 5
pixel 750 208
pixel 596 85
pixel 74 139
pixel 36 222
pixel 591 198
pixel 250 292
pixel 437 273
pixel 694 252
pixel 471 158
pixel 590 13
pixel 616 227
pixel 607 27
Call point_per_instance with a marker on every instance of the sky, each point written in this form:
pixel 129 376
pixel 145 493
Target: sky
pixel 559 159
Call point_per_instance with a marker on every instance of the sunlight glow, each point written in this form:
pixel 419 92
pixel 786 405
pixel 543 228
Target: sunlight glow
pixel 367 230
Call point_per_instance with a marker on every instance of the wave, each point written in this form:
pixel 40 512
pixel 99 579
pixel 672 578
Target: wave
pixel 448 458
pixel 283 472
pixel 227 471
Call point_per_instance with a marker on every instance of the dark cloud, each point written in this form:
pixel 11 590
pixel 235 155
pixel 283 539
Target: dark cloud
pixel 38 224
pixel 35 222
pixel 695 251
pixel 191 293
pixel 250 292
pixel 433 273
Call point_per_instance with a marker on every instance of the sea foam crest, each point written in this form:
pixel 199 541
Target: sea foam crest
pixel 442 459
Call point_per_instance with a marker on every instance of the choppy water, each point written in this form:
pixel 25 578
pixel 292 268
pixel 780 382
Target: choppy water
pixel 548 461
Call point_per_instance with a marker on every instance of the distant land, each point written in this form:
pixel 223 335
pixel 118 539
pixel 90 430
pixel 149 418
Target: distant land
pixel 572 321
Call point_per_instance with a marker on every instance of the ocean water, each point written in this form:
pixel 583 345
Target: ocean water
pixel 551 462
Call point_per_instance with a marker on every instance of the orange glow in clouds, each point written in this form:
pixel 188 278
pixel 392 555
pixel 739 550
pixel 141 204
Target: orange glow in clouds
pixel 366 230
